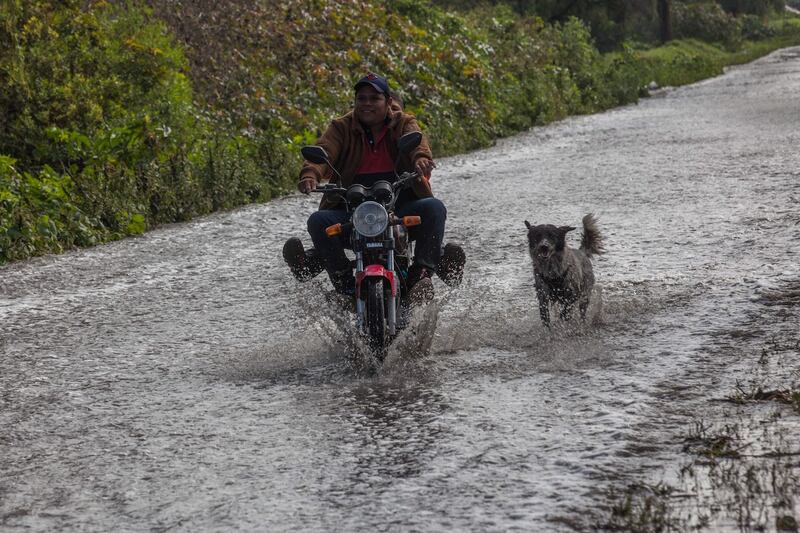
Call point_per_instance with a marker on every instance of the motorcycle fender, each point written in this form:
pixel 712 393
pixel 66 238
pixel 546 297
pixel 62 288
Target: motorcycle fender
pixel 372 271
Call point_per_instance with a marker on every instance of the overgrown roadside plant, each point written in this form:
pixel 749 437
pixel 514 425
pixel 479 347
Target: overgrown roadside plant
pixel 101 136
pixel 468 78
pixel 121 115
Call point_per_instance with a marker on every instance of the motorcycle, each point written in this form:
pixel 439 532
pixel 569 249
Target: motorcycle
pixel 380 242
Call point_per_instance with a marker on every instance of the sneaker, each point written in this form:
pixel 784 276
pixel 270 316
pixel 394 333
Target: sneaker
pixel 295 256
pixel 314 264
pixel 304 264
pixel 451 265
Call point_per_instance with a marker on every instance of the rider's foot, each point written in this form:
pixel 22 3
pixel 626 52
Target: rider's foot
pixel 451 266
pixel 420 285
pixel 295 257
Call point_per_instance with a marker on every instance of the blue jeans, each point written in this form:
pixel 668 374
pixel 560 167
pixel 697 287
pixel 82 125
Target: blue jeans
pixel 428 235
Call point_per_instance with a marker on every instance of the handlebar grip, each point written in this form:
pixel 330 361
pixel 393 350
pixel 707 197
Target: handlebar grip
pixel 325 189
pixel 405 179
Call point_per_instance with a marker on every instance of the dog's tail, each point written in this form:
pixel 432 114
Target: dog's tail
pixel 591 241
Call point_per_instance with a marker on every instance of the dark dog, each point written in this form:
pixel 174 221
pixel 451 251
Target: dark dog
pixel 563 274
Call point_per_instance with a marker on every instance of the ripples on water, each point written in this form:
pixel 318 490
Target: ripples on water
pixel 183 379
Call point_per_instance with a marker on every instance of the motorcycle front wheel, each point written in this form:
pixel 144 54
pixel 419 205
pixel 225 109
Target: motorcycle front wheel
pixel 376 319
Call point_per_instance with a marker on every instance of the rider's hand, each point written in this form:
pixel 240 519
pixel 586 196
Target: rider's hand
pixel 307 185
pixel 424 167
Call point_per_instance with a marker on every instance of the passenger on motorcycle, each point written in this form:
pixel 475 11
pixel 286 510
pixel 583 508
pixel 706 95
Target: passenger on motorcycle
pixel 363 145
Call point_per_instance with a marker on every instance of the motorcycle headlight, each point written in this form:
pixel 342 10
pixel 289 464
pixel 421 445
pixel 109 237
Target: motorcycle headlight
pixel 370 219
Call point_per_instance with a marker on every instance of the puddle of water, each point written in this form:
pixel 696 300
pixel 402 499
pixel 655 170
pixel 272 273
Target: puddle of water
pixel 184 380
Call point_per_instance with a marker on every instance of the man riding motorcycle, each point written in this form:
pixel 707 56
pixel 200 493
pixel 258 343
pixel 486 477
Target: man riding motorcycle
pixel 363 144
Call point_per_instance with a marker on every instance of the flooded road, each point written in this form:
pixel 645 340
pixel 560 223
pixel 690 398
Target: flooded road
pixel 184 381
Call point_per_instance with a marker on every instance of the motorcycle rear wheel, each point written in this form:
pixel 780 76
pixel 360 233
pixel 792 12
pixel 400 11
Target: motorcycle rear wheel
pixel 376 316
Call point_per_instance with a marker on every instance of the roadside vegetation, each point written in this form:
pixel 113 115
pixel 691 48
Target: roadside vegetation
pixel 118 116
pixel 740 474
pixel 740 468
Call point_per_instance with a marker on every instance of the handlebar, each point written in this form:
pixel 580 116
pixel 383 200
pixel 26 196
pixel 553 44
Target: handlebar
pixel 405 180
pixel 329 187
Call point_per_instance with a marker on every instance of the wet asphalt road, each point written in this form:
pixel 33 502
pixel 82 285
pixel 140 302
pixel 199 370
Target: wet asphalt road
pixel 183 381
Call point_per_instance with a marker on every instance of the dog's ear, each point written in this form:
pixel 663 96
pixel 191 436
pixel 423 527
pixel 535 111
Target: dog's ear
pixel 566 229
pixel 527 224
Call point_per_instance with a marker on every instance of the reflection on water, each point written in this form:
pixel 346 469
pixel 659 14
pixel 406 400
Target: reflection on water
pixel 184 380
pixel 393 432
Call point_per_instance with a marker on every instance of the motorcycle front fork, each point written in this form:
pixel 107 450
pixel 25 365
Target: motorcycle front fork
pixel 391 301
pixel 359 301
pixel 391 310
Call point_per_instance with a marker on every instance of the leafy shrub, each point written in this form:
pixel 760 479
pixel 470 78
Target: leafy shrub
pixel 117 118
pixel 682 62
pixel 38 213
pixel 754 29
pixel 752 7
pixel 705 21
pixel 101 134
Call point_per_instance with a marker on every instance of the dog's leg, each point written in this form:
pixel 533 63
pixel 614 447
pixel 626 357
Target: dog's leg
pixel 544 312
pixel 566 311
pixel 544 307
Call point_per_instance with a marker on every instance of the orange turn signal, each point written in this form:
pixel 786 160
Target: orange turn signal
pixel 333 231
pixel 412 220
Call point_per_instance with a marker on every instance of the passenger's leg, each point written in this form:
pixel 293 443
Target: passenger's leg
pixel 430 233
pixel 428 236
pixel 331 249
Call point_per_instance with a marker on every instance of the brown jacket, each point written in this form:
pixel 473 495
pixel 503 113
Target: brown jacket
pixel 343 140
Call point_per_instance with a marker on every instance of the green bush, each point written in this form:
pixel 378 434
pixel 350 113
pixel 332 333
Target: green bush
pixel 706 21
pixel 101 134
pixel 754 28
pixel 38 213
pixel 117 118
pixel 86 71
pixel 752 7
